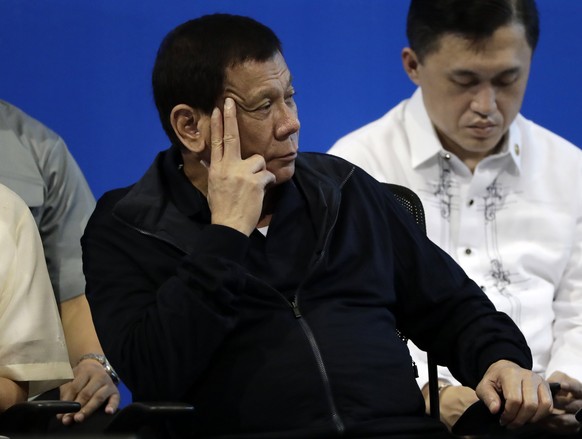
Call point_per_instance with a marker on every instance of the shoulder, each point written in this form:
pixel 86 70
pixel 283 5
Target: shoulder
pixel 10 202
pixel 325 166
pixel 544 140
pixel 322 162
pixel 378 146
pixel 25 127
pixel 14 213
pixel 370 134
pixel 350 178
pixel 106 203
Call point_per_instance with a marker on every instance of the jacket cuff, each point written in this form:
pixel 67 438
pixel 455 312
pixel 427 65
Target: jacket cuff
pixel 225 242
pixel 504 351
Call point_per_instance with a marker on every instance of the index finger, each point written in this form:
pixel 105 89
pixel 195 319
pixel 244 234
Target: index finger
pixel 216 147
pixel 231 137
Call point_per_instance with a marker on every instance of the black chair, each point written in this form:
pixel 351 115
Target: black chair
pixel 33 417
pixel 411 202
pixel 477 420
pixel 138 420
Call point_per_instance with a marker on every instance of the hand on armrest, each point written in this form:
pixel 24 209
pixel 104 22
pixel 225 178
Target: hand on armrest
pixel 522 395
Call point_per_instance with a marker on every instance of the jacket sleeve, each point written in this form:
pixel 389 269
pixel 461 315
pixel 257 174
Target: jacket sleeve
pixel 161 314
pixel 443 311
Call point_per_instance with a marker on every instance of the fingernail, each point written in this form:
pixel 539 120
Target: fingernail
pixel 215 112
pixel 228 103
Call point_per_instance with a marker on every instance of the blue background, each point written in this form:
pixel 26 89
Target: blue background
pixel 83 68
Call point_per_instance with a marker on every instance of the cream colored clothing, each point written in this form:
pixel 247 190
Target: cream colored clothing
pixel 32 344
pixel 514 225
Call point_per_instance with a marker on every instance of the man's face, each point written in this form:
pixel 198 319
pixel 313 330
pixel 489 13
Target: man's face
pixel 266 113
pixel 474 92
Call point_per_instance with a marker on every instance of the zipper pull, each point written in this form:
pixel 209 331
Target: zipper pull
pixel 295 308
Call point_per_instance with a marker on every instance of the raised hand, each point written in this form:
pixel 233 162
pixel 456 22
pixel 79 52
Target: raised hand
pixel 236 186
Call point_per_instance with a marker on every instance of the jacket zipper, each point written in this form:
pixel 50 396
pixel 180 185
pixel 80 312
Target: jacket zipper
pixel 337 420
pixel 339 424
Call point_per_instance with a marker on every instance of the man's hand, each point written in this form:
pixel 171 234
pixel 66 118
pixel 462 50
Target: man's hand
pixel 453 401
pixel 91 387
pixel 527 396
pixel 236 187
pixel 567 402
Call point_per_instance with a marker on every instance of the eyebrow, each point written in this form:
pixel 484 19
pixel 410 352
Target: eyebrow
pixel 471 73
pixel 260 94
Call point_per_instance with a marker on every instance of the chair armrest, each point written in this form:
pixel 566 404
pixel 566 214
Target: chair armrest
pixel 34 416
pixel 138 415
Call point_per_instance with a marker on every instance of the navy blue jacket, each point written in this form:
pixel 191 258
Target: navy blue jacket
pixel 182 314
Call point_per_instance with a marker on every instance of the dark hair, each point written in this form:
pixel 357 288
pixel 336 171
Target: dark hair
pixel 191 62
pixel 428 20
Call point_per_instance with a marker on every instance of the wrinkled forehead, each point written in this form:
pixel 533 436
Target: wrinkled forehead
pixel 249 66
pixel 252 74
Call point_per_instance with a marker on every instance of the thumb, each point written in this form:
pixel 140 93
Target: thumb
pixel 489 395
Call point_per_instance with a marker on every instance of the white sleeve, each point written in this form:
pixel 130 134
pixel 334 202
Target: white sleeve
pixel 32 344
pixel 566 353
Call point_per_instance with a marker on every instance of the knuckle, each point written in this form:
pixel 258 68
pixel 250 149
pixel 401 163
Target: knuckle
pixel 229 138
pixel 530 406
pixel 85 394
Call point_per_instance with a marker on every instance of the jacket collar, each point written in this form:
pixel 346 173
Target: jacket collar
pixel 164 204
pixel 321 177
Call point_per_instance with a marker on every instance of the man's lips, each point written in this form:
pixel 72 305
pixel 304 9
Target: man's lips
pixel 288 157
pixel 483 129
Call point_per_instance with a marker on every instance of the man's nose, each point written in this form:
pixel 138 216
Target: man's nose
pixel 484 101
pixel 287 123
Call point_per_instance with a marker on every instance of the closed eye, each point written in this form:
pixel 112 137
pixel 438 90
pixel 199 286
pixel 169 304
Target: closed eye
pixel 507 79
pixel 465 81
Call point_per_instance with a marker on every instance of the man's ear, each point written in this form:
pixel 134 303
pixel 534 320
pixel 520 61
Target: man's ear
pixel 186 124
pixel 410 63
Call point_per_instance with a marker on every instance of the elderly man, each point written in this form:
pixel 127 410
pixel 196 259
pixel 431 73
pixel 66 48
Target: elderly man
pixel 264 285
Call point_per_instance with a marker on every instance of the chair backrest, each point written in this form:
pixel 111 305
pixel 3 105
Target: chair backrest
pixel 411 202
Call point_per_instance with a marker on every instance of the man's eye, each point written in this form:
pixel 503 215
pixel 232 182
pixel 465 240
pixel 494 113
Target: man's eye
pixel 506 81
pixel 464 82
